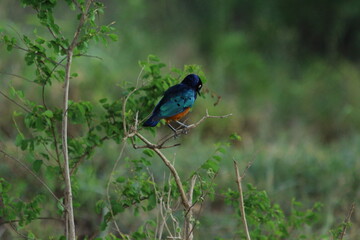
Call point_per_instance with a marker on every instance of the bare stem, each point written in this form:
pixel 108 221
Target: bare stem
pixel 69 211
pixel 347 220
pixel 188 226
pixel 241 200
pixel 108 188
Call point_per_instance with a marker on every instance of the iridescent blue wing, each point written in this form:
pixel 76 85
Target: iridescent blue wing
pixel 176 99
pixel 178 103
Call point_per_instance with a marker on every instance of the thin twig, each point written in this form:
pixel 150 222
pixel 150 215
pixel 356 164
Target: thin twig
pixel 108 188
pixel 77 4
pixel 88 55
pixel 347 220
pixel 191 126
pixel 32 173
pixel 16 103
pixel 241 200
pixel 125 102
pixel 48 77
pixel 160 144
pixel 18 76
pixel 39 218
pixel 38 53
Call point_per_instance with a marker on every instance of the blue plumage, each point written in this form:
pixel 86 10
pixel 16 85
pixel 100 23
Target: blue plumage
pixel 177 101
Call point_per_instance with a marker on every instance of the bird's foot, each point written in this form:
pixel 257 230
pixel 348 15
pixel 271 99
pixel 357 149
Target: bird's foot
pixel 176 134
pixel 185 130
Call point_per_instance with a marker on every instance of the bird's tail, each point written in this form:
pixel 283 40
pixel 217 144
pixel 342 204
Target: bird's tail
pixel 151 122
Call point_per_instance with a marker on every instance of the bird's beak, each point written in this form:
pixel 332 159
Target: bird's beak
pixel 198 91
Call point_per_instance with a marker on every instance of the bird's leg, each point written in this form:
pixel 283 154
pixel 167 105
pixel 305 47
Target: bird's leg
pixel 172 128
pixel 184 125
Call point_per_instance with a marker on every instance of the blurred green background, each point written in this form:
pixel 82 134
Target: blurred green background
pixel 288 70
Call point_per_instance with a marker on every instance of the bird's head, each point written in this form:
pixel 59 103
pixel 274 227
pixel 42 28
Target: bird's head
pixel 193 81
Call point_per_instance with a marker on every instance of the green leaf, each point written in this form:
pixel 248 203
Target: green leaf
pixel 19 139
pixel 116 207
pixel 12 92
pixel 121 179
pixel 9 47
pixel 217 158
pixel 37 165
pixel 235 137
pixel 149 152
pixel 99 206
pixel 40 40
pixel 48 114
pixel 153 58
pixel 113 37
pixel 103 100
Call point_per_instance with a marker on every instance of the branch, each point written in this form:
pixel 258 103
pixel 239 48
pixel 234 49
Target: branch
pixel 69 213
pixel 194 125
pixel 81 24
pixel 38 53
pixel 191 126
pixel 32 173
pixel 178 182
pixel 77 4
pixel 39 218
pixel 108 188
pixel 16 103
pixel 241 201
pixel 156 148
pixel 188 226
pixel 87 55
pixel 125 102
pixel 43 86
pixel 347 220
pixel 18 76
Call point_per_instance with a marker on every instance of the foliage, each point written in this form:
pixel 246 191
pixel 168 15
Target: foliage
pixel 267 219
pixel 17 211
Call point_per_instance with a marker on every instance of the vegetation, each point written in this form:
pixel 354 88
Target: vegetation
pixel 76 159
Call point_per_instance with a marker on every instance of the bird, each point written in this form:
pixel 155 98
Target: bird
pixel 176 102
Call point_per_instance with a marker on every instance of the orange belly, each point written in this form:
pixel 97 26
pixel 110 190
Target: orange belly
pixel 178 116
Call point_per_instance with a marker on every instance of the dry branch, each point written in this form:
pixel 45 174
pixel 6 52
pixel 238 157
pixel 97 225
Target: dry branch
pixel 241 200
pixel 347 221
pixel 189 214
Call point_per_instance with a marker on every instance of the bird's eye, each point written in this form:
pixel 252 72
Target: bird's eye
pixel 199 86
